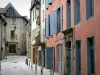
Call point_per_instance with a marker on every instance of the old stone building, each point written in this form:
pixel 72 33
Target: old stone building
pixel 3 25
pixel 15 30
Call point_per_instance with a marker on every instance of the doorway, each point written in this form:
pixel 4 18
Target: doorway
pixel 90 56
pixel 78 57
pixel 68 57
pixel 12 48
pixel 59 58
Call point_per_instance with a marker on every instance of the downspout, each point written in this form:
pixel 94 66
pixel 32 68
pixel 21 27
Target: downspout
pixel 73 52
pixel 1 44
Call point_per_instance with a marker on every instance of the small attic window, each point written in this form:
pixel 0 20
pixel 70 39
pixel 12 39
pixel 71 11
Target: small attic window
pixel 10 12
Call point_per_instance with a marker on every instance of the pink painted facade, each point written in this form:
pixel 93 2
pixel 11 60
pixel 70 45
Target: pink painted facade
pixel 51 41
pixel 86 28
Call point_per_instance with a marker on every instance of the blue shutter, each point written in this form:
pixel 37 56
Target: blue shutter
pixel 48 25
pixel 68 15
pixel 49 57
pixel 55 21
pixel 89 8
pixel 50 1
pixel 51 30
pixel 77 11
pixel 47 4
pixel 88 58
pixel 46 28
pixel 61 18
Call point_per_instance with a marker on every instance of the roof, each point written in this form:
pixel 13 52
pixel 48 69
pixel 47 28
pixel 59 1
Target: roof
pixel 25 18
pixel 11 6
pixel 2 10
pixel 35 3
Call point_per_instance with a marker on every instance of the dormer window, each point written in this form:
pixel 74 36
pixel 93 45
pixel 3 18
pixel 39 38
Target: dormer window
pixel 10 12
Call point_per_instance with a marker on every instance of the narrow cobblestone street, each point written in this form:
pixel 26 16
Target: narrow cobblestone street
pixel 15 65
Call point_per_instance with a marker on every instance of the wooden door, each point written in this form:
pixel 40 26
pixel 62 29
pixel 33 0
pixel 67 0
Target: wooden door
pixel 12 48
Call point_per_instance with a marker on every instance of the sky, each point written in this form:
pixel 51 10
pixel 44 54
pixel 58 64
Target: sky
pixel 22 6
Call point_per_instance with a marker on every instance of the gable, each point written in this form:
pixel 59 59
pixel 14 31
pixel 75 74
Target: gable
pixel 10 6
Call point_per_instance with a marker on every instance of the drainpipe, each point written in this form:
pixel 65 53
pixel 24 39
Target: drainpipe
pixel 74 46
pixel 1 49
pixel 1 44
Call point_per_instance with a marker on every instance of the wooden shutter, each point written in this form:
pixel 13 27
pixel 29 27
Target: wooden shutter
pixel 61 18
pixel 49 57
pixel 51 30
pixel 77 11
pixel 89 8
pixel 55 21
pixel 68 15
pixel 46 28
pixel 88 59
pixel 50 1
pixel 46 4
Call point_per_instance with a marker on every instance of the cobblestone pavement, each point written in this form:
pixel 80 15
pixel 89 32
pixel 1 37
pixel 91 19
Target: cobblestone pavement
pixel 15 65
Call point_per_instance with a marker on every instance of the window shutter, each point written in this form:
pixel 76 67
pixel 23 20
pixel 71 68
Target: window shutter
pixel 47 4
pixel 89 8
pixel 68 15
pixel 49 57
pixel 55 21
pixel 51 30
pixel 88 58
pixel 61 16
pixel 50 1
pixel 77 11
pixel 46 27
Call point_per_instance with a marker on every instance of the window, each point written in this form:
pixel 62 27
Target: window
pixel 77 12
pixel 13 21
pixel 49 25
pixel 10 12
pixel 90 56
pixel 12 34
pixel 58 20
pixel 68 14
pixel 89 8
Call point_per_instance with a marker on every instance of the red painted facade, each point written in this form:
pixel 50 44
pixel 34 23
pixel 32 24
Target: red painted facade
pixel 86 28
